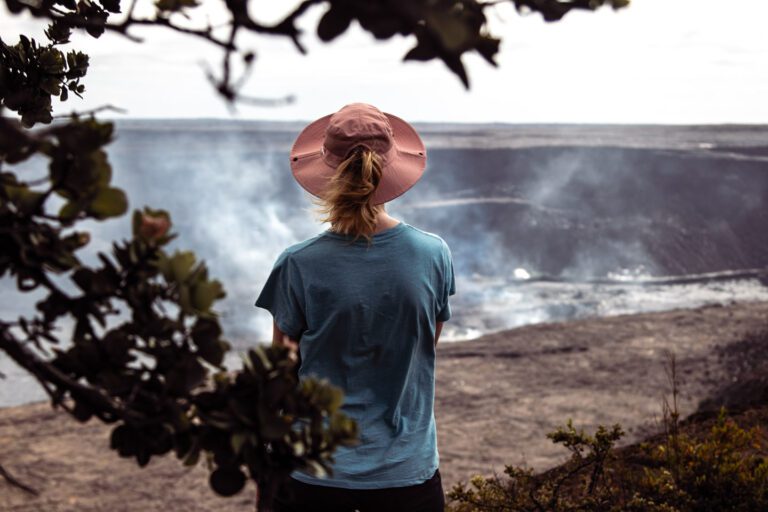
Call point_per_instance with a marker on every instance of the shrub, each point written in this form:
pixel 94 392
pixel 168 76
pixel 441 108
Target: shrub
pixel 723 470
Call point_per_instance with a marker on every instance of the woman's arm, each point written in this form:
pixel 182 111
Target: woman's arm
pixel 280 338
pixel 438 330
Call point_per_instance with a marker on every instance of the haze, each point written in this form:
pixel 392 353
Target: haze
pixel 687 61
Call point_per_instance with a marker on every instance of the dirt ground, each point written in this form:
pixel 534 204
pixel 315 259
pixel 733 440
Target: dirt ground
pixel 497 397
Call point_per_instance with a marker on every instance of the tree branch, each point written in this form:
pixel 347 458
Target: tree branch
pixel 17 483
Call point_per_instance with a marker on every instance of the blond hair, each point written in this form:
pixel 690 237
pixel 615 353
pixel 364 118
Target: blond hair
pixel 347 199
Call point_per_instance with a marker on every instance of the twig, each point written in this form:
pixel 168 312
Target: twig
pixel 17 483
pixel 92 111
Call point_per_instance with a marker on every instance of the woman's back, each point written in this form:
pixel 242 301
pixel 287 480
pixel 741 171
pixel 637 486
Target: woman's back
pixel 366 318
pixel 365 300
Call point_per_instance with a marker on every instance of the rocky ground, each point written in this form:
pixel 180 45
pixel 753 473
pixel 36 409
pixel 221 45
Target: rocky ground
pixel 497 397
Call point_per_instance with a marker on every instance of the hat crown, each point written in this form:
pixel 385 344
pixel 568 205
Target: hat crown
pixel 358 124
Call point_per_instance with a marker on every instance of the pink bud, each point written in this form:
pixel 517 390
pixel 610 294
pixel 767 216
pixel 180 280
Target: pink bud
pixel 153 228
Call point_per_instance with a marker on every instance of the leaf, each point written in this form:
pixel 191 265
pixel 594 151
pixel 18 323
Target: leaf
pixel 143 455
pixel 82 411
pixel 237 440
pixel 51 86
pixel 384 27
pixel 118 345
pixel 174 5
pixel 83 277
pixel 453 31
pixel 273 427
pixel 125 440
pixel 78 65
pixel 29 118
pixel 69 211
pixel 96 21
pixel 334 22
pixel 58 32
pixel 424 50
pixel 488 47
pixel 205 334
pixel 184 301
pixel 185 375
pixel 191 458
pixel 29 201
pixel 227 481
pixel 181 265
pixel 51 61
pixel 205 330
pixel 15 6
pixel 111 5
pixel 203 294
pixel 454 64
pixel 109 202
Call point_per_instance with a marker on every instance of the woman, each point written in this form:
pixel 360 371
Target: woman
pixel 364 302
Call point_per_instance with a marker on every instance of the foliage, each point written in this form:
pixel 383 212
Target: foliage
pixel 722 472
pixel 725 470
pixel 32 74
pixel 157 371
pixel 443 29
pixel 577 485
pixel 719 473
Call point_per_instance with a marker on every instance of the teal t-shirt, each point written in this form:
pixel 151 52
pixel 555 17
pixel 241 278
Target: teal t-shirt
pixel 365 317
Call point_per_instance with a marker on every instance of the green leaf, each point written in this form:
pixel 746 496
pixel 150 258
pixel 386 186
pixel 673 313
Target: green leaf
pixel 181 265
pixel 237 440
pixel 184 301
pixel 69 210
pixel 109 202
pixel 203 294
pixel 29 201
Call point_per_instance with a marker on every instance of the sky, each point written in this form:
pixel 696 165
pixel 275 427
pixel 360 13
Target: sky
pixel 658 61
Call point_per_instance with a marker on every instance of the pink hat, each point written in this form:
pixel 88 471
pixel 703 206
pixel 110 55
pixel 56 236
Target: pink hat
pixel 325 143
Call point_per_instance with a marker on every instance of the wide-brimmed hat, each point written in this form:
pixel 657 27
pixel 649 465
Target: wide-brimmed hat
pixel 325 143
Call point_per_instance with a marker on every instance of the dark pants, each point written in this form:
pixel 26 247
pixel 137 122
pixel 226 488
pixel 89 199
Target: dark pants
pixel 296 496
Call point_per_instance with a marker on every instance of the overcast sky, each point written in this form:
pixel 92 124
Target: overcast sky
pixel 658 61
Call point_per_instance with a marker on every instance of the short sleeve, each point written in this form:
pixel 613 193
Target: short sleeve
pixel 448 286
pixel 283 296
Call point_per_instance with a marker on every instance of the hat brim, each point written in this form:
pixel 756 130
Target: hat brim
pixel 400 172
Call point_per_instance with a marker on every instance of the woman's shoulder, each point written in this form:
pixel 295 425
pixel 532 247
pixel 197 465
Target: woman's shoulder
pixel 294 250
pixel 431 239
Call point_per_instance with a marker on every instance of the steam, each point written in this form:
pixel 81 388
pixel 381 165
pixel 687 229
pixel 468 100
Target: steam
pixel 528 227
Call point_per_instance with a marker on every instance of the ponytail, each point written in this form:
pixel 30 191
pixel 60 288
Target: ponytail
pixel 347 200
